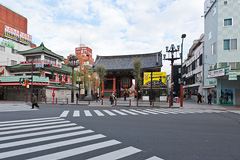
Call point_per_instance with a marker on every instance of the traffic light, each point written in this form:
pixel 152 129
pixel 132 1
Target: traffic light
pixel 47 65
pixel 24 82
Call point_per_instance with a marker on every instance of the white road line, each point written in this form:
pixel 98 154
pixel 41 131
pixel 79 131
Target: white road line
pixel 149 111
pixel 132 113
pixel 41 139
pixel 24 123
pixel 119 112
pixel 87 113
pixel 33 125
pixel 154 158
pixel 48 146
pixel 64 114
pixel 26 120
pixel 37 129
pixel 77 151
pixel 121 153
pixel 110 113
pixel 140 112
pixel 76 113
pixel 40 133
pixel 98 113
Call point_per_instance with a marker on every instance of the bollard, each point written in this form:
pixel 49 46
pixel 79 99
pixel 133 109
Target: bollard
pixel 67 100
pixel 102 101
pixel 137 102
pixel 153 103
pixel 56 100
pixel 129 102
pixel 45 100
pixel 115 102
pixel 89 101
pixel 76 101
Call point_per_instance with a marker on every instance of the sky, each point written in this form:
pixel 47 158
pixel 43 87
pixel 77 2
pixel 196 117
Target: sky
pixel 112 27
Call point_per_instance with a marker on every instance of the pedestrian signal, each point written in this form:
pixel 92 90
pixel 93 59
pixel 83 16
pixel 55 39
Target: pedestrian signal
pixel 160 81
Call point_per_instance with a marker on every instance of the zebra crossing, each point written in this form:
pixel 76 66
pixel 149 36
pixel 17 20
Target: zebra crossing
pixel 134 112
pixel 56 138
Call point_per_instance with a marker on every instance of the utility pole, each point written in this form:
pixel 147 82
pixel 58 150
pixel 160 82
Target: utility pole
pixel 181 86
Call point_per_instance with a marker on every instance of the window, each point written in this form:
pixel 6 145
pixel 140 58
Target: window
pixel 230 44
pixel 14 51
pixel 225 2
pixel 209 35
pixel 2 48
pixel 13 62
pixel 213 48
pixel 214 10
pixel 227 22
pixel 179 70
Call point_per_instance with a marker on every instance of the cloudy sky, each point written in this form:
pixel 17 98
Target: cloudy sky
pixel 111 27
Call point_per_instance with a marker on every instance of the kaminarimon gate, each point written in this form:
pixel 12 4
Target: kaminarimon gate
pixel 119 70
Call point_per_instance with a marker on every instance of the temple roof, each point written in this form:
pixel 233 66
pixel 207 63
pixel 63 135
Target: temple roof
pixel 41 49
pixel 125 62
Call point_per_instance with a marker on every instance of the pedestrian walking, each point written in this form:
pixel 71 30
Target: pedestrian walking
pixel 97 97
pixel 199 98
pixel 139 95
pixel 125 95
pixel 34 101
pixel 77 96
pixel 112 97
pixel 209 98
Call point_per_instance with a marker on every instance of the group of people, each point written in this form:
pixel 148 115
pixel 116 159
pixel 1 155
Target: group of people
pixel 199 96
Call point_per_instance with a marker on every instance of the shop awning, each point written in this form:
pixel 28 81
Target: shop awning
pixel 192 85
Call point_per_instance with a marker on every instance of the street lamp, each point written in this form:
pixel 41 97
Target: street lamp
pixel 73 62
pixel 181 83
pixel 171 58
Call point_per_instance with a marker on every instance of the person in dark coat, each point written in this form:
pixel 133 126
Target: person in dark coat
pixel 112 97
pixel 77 95
pixel 125 95
pixel 34 101
pixel 139 95
pixel 209 98
pixel 199 98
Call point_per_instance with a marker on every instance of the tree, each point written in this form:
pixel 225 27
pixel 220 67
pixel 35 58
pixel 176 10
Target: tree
pixel 137 73
pixel 101 70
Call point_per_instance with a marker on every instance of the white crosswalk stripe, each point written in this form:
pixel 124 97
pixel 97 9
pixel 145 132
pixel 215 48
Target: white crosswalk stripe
pixel 78 140
pixel 64 114
pixel 76 113
pixel 235 111
pixel 87 113
pixel 152 111
pixel 154 158
pixel 117 154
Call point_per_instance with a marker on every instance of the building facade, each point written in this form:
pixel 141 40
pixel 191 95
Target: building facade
pixel 221 50
pixel 193 70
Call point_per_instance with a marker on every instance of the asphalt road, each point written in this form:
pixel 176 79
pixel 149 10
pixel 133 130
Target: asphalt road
pixel 81 132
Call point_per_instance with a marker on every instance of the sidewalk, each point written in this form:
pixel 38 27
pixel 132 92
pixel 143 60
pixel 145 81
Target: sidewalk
pixel 6 106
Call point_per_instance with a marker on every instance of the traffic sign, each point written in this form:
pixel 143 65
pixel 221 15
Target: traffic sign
pixel 39 65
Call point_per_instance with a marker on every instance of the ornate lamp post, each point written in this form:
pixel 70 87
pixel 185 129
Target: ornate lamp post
pixel 171 58
pixel 181 86
pixel 73 62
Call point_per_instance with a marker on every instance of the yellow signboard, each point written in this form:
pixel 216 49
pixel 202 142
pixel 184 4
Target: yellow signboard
pixel 156 76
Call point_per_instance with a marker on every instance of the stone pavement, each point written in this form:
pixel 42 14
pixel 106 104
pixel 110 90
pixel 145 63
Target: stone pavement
pixel 187 104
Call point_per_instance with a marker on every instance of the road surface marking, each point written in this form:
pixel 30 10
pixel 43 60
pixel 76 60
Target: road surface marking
pixel 40 133
pixel 76 113
pixel 154 158
pixel 121 153
pixel 132 113
pixel 87 113
pixel 49 146
pixel 119 112
pixel 33 125
pixel 26 120
pixel 41 139
pixel 37 128
pixel 140 112
pixel 64 114
pixel 77 151
pixel 110 113
pixel 99 113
